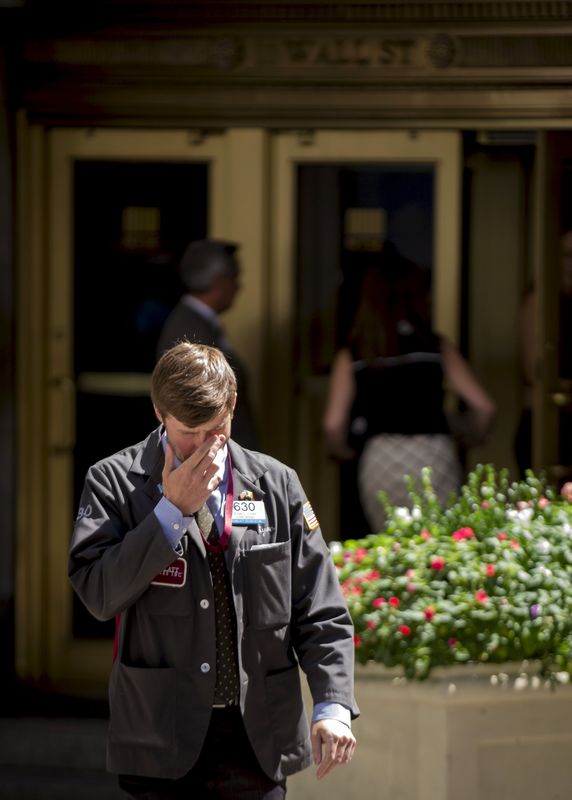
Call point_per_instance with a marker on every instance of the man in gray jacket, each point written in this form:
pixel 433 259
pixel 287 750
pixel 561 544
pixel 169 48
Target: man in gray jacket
pixel 211 560
pixel 210 272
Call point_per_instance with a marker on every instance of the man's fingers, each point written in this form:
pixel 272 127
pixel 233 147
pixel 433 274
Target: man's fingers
pixel 331 747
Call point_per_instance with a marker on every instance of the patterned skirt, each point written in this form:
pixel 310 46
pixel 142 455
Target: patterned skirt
pixel 387 458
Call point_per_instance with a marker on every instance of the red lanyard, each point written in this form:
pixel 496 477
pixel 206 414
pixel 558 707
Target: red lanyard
pixel 227 530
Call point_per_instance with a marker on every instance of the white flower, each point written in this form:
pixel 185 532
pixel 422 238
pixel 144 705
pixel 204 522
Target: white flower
pixel 524 515
pixel 335 548
pixel 543 546
pixel 416 512
pixel 403 514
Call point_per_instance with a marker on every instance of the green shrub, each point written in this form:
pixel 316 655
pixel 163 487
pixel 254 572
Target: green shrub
pixel 485 578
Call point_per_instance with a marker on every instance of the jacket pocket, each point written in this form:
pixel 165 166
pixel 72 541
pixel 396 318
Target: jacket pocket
pixel 268 589
pixel 286 708
pixel 142 705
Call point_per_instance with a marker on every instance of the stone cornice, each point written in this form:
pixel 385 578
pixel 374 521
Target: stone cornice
pixel 326 57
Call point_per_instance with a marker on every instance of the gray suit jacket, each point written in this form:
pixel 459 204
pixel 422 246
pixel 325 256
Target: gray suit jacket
pixel 289 608
pixel 185 322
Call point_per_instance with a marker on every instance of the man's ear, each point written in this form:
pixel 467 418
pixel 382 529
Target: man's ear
pixel 158 414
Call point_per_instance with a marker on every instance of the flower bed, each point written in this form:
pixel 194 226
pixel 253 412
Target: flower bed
pixel 486 578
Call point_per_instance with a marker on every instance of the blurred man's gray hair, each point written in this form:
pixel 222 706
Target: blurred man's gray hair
pixel 206 259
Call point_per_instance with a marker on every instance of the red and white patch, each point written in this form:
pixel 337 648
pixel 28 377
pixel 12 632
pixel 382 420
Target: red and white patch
pixel 174 576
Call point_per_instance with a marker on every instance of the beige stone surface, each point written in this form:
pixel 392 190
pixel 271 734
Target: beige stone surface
pixel 489 733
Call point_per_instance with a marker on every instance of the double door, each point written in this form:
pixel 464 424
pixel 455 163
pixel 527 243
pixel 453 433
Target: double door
pixel 105 216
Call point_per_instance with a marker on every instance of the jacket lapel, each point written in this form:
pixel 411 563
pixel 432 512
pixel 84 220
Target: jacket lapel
pixel 246 472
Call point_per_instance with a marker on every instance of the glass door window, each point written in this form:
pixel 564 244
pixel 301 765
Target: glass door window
pixel 132 221
pixel 352 216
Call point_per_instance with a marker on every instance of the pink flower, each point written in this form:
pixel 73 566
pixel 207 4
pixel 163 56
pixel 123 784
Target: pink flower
pixel 425 534
pixel 485 504
pixel 411 588
pixel 360 554
pixel 463 533
pixel 452 642
pixel 437 563
pixel 514 544
pixel 373 575
pixel 501 535
pixel 566 491
pixel 405 630
pixel 490 570
pixel 394 601
pixel 481 596
pixel 410 573
pixel 378 602
pixel 429 613
pixel 371 624
pixel 543 502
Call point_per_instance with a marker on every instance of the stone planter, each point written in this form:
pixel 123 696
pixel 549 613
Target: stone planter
pixel 490 732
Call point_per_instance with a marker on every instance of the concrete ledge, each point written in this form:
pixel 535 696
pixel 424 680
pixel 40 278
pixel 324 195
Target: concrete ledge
pixel 477 733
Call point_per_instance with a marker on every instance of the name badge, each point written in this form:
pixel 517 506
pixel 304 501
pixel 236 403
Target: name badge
pixel 248 512
pixel 174 576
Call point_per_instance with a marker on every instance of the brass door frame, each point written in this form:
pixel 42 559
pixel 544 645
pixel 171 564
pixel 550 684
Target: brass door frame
pixel 45 649
pixel 304 446
pixel 549 390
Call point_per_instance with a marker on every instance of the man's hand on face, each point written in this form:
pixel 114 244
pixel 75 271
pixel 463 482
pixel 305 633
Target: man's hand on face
pixel 189 485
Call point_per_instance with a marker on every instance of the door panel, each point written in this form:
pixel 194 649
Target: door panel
pixel 552 308
pixel 338 196
pixel 118 208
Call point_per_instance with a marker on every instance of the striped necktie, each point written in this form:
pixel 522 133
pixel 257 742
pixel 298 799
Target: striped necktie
pixel 226 682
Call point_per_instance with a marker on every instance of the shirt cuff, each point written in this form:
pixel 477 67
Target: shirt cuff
pixel 332 711
pixel 172 522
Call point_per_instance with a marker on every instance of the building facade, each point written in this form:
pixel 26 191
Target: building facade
pixel 309 133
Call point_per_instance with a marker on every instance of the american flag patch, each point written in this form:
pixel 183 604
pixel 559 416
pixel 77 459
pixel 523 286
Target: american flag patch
pixel 310 517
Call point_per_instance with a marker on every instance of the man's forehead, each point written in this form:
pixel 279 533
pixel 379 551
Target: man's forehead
pixel 213 422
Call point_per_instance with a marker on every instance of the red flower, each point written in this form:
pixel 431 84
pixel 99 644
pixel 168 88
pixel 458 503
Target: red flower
pixel 405 630
pixel 490 570
pixel 378 602
pixel 452 642
pixel 426 535
pixel 463 533
pixel 501 535
pixel 514 544
pixel 437 563
pixel 360 554
pixel 357 641
pixel 481 596
pixel 485 504
pixel 394 601
pixel 373 575
pixel 429 613
pixel 371 624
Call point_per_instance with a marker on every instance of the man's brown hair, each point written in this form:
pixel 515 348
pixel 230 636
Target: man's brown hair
pixel 193 383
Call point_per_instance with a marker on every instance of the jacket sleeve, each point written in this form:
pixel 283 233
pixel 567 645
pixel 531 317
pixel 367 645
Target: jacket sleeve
pixel 110 563
pixel 322 628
